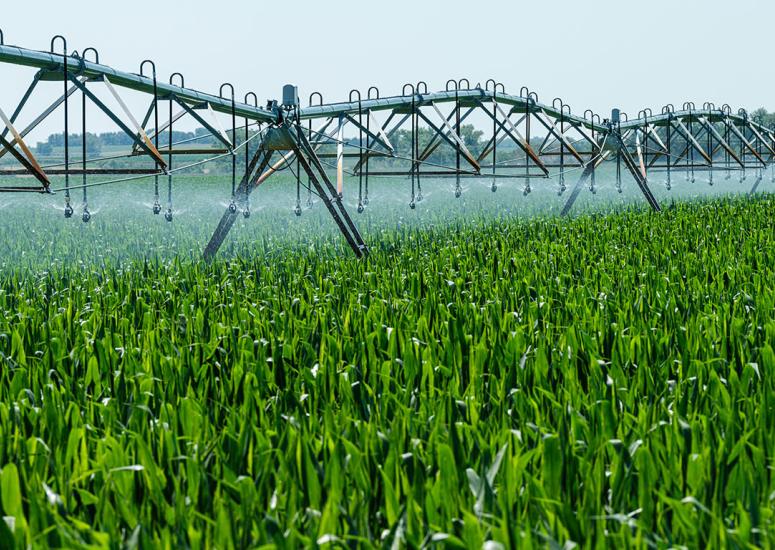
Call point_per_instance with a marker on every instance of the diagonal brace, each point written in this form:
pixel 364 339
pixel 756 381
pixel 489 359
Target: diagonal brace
pixel 209 127
pixel 150 151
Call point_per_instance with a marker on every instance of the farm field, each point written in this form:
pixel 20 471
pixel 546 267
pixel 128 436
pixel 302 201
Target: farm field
pixel 490 375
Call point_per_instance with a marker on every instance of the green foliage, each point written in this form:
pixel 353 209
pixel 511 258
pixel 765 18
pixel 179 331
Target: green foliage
pixel 761 115
pixel 604 380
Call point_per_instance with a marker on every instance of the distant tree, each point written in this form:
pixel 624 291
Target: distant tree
pixel 93 144
pixel 768 119
pixel 471 136
pixel 44 148
pixel 56 140
pixel 113 139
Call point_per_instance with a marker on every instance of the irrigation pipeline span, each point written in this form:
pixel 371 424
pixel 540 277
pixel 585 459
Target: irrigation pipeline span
pixel 549 140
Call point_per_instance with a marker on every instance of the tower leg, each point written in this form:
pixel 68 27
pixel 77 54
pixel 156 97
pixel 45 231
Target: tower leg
pixel 585 175
pixel 629 162
pixel 246 186
pixel 322 183
pixel 310 163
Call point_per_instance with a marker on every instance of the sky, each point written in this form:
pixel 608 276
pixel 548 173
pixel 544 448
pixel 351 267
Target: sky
pixel 595 54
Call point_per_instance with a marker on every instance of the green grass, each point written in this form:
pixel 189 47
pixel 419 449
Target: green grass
pixel 482 376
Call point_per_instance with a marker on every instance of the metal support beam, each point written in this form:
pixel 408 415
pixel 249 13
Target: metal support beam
pixel 450 137
pixel 216 132
pixel 43 116
pixel 249 182
pixel 585 175
pixel 378 137
pixel 143 137
pixel 639 151
pixel 756 183
pixel 633 168
pixel 517 138
pixel 721 141
pixel 389 134
pixel 339 157
pixel 148 147
pixel 743 140
pixel 691 139
pixel 335 206
pixel 492 143
pixel 436 139
pixel 301 149
pixel 30 167
pixel 559 136
pixel 28 160
pixel 23 101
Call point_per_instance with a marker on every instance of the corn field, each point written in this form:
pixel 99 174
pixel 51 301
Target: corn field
pixel 491 382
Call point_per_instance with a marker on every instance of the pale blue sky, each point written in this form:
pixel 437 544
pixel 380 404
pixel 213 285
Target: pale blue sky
pixel 594 54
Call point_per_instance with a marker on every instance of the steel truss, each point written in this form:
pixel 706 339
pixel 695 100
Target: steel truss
pixel 417 134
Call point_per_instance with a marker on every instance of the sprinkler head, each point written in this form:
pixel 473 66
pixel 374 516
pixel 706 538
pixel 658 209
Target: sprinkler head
pixel 526 191
pixel 419 197
pixel 246 212
pixel 86 216
pixel 692 179
pixel 412 205
pixel 297 210
pixel 232 207
pixel 493 188
pixel 458 192
pixel 593 190
pixel 68 211
pixel 156 208
pixel 168 215
pixel 668 186
pixel 360 208
pixel 619 190
pixel 366 198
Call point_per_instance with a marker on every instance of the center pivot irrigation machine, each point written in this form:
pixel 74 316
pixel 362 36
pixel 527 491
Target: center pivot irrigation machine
pixel 543 140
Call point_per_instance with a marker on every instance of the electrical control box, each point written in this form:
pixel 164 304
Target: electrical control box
pixel 290 95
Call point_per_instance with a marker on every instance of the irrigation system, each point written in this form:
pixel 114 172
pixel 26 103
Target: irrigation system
pixel 550 140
